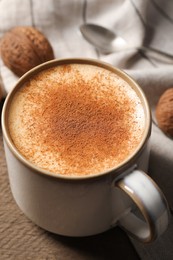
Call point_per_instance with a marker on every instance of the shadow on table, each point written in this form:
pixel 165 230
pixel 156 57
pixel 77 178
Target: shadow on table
pixel 113 244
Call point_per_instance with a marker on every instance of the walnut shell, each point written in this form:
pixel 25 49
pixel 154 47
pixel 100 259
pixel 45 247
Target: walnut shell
pixel 23 48
pixel 164 112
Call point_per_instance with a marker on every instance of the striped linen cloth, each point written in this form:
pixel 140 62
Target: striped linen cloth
pixel 148 22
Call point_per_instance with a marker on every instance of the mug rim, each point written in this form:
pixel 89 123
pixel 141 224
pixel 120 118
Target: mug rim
pixel 59 62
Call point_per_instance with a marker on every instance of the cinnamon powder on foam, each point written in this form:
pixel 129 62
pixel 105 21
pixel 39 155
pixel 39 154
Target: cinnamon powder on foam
pixel 76 120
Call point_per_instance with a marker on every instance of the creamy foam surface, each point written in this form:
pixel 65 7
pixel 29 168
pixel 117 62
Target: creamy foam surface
pixel 76 120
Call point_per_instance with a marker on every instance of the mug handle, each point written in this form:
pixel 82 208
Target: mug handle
pixel 150 201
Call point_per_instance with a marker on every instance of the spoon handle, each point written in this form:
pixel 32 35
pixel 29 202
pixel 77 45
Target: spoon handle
pixel 157 53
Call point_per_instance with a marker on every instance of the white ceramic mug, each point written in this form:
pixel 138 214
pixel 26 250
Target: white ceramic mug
pixel 87 205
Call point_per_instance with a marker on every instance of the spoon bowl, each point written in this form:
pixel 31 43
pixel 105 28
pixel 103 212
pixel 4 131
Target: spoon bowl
pixel 102 38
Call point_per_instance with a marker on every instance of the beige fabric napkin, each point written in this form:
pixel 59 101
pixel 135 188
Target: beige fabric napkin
pixel 139 22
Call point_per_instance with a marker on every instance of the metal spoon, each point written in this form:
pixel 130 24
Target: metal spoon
pixel 106 41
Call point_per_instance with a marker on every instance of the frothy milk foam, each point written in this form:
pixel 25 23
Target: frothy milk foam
pixel 76 119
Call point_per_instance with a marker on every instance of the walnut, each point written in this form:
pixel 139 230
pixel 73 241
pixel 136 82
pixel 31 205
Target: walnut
pixel 164 112
pixel 23 48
